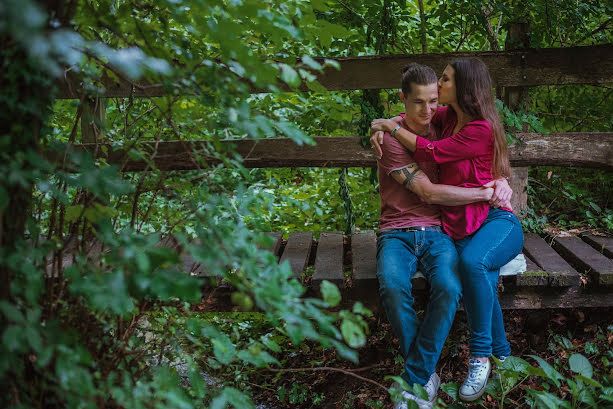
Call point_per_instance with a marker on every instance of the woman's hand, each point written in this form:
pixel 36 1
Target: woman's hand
pixel 377 128
pixel 502 193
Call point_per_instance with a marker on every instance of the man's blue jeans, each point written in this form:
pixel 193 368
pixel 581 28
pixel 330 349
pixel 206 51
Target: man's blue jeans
pixel 498 241
pixel 399 254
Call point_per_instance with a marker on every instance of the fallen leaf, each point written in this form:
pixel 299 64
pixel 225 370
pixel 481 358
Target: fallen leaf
pixel 549 174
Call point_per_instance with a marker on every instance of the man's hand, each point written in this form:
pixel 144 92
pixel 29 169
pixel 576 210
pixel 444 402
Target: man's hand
pixel 377 128
pixel 382 124
pixel 502 193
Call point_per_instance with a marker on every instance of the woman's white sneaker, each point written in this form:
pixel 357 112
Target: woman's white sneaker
pixel 474 385
pixel 431 388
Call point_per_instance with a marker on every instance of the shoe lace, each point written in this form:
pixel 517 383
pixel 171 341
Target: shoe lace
pixel 476 370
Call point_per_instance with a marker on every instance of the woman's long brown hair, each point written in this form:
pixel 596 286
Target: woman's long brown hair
pixel 475 98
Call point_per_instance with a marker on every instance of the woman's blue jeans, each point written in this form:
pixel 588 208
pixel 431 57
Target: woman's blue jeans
pixel 498 241
pixel 399 254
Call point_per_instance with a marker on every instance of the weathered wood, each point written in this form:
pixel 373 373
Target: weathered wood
pixel 519 183
pixel 534 276
pixel 364 256
pixel 597 266
pixel 589 149
pixel 297 251
pixel 603 245
pixel 518 37
pixel 564 297
pixel 559 272
pixel 329 259
pixel 525 298
pixel 276 245
pixel 93 120
pixel 364 284
pixel 562 149
pixel 517 68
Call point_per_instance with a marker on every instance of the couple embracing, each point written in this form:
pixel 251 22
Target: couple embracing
pixel 445 210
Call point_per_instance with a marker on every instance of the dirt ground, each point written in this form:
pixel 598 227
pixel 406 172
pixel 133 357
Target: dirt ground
pixel 530 332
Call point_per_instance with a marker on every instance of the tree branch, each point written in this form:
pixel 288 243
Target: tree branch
pixel 327 368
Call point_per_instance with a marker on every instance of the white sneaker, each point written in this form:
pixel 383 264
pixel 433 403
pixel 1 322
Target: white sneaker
pixel 474 385
pixel 431 388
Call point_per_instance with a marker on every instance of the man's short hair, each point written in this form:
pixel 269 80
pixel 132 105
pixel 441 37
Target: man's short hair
pixel 416 74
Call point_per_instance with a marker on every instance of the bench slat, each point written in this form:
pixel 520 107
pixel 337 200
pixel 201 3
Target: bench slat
pixel 560 273
pixel 603 244
pixel 364 254
pixel 599 267
pixel 534 276
pixel 297 251
pixel 329 259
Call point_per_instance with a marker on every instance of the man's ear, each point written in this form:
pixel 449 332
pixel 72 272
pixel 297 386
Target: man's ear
pixel 401 95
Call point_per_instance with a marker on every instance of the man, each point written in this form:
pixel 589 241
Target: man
pixel 410 238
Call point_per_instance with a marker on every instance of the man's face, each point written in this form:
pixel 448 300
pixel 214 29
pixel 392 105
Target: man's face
pixel 420 104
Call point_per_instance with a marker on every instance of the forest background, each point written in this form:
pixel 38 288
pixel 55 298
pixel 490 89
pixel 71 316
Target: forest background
pixel 109 330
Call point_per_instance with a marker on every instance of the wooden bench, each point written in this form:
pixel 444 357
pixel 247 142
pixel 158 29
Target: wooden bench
pixel 562 272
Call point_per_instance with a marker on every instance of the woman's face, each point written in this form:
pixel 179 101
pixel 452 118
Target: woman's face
pixel 446 86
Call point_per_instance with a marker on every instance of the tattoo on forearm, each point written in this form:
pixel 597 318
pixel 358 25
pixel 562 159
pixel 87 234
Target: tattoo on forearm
pixel 410 173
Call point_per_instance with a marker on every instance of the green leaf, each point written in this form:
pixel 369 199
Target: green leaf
pixel 289 75
pixel 197 383
pixel 358 308
pixel 13 338
pixel 234 397
pixel 310 62
pixel 330 293
pixel 11 312
pixel 580 364
pixel 451 389
pixel 546 400
pixel 270 344
pixel 550 371
pixel 353 334
pixel 224 349
pixel 589 381
pixel 516 364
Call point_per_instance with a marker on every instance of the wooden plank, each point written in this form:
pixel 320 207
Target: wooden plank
pixel 603 245
pixel 364 256
pixel 364 282
pixel 534 276
pixel 329 259
pixel 297 251
pixel 599 267
pixel 525 298
pixel 593 149
pixel 519 183
pixel 560 273
pixel 565 297
pixel 515 68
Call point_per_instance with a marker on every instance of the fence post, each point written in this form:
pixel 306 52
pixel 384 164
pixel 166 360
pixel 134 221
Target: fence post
pixel 518 37
pixel 93 120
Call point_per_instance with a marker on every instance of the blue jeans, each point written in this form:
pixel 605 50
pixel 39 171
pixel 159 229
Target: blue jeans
pixel 498 241
pixel 398 256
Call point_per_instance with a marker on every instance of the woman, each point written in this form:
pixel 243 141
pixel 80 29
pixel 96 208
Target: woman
pixel 472 151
